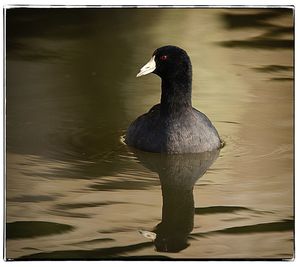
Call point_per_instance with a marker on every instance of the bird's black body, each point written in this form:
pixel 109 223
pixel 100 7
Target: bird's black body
pixel 173 126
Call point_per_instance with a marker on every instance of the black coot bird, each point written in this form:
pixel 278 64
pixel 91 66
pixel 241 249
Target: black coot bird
pixel 173 126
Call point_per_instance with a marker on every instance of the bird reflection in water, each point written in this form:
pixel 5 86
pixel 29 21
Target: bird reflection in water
pixel 178 175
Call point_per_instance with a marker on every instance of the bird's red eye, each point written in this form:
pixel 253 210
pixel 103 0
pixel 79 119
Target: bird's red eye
pixel 163 57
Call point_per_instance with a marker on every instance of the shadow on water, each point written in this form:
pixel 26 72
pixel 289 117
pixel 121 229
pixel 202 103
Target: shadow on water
pixel 280 226
pixel 259 19
pixel 177 174
pixel 59 25
pixel 32 198
pixel 28 229
pixel 102 253
pixel 67 103
pixel 285 71
pixel 219 209
pixel 282 79
pixel 274 36
pixel 260 42
pixel 273 68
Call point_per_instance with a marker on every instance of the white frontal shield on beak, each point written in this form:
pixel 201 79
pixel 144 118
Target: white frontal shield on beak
pixel 148 68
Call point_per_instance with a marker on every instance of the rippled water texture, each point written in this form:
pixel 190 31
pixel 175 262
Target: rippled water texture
pixel 75 191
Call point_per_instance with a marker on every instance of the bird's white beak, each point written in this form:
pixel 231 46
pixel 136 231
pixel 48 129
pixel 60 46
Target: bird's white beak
pixel 148 68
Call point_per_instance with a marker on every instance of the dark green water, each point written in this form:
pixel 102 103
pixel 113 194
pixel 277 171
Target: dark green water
pixel 75 191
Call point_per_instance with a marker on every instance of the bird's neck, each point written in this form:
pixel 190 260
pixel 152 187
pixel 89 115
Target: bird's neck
pixel 176 95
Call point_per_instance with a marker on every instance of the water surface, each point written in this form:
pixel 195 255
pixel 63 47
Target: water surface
pixel 75 191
